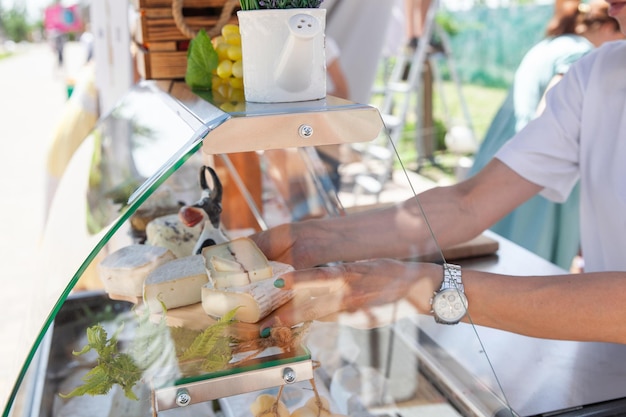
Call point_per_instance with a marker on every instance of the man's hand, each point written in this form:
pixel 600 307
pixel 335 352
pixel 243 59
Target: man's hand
pixel 320 292
pixel 288 243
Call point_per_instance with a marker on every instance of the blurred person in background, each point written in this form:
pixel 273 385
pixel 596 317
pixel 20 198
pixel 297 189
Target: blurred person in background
pixel 58 40
pixel 87 40
pixel 415 12
pixel 548 229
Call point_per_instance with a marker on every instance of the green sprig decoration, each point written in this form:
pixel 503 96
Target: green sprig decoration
pixel 154 354
pixel 212 346
pixel 113 366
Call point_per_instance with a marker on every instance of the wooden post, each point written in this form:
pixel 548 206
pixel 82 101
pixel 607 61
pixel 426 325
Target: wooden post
pixel 236 213
pixel 428 125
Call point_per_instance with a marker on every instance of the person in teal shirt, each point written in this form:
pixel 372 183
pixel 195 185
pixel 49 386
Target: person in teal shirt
pixel 548 229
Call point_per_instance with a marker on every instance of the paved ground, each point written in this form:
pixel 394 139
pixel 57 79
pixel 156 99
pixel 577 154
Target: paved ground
pixel 32 95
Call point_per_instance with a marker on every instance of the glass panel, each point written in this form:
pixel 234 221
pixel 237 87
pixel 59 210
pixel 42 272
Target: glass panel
pixel 388 359
pixel 145 163
pixel 140 136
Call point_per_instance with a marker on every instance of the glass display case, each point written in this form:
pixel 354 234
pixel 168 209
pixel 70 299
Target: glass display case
pixel 108 347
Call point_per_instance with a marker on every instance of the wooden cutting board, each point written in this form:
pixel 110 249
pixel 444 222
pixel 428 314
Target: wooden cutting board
pixel 193 317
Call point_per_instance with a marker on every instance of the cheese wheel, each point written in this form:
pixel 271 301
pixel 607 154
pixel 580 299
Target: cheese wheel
pixel 124 271
pixel 170 232
pixel 236 263
pixel 253 301
pixel 176 283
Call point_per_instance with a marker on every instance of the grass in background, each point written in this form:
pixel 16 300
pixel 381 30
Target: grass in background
pixel 482 104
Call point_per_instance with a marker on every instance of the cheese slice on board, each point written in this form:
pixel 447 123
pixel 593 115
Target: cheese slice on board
pixel 236 263
pixel 170 232
pixel 176 283
pixel 124 271
pixel 253 301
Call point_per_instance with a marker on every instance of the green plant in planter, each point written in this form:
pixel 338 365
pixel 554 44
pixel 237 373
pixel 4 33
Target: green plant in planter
pixel 279 4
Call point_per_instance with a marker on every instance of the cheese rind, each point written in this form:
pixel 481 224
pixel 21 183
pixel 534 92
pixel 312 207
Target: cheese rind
pixel 170 232
pixel 253 301
pixel 220 260
pixel 123 272
pixel 176 283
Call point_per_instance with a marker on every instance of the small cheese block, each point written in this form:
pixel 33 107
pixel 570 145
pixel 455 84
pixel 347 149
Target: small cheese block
pixel 176 283
pixel 236 263
pixel 124 271
pixel 253 301
pixel 170 232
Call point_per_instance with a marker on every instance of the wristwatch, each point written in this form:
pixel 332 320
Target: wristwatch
pixel 449 304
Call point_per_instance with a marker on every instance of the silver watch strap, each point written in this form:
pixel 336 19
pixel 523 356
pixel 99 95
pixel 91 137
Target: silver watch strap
pixel 452 277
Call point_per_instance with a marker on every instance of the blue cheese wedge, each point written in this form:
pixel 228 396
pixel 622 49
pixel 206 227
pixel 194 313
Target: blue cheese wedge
pixel 175 284
pixel 124 271
pixel 170 232
pixel 236 263
pixel 253 301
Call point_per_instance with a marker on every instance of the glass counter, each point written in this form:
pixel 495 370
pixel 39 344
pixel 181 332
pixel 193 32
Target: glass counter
pixel 112 352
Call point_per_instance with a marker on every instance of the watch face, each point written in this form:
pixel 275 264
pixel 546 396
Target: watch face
pixel 449 305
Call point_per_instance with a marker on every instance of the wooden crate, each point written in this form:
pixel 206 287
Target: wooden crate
pixel 196 4
pixel 161 65
pixel 162 46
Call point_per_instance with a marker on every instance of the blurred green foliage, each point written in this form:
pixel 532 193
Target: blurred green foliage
pixel 488 43
pixel 14 23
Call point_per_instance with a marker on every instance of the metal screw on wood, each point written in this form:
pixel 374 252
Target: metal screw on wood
pixel 305 131
pixel 289 375
pixel 183 398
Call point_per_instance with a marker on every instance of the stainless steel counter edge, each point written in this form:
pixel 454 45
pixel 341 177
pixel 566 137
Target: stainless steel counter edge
pixel 537 376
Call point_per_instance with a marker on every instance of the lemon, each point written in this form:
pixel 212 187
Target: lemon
pixel 222 51
pixel 235 82
pixel 234 52
pixel 229 29
pixel 237 69
pixel 225 69
pixel 233 39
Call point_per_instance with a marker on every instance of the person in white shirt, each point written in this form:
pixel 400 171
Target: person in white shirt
pixel 580 136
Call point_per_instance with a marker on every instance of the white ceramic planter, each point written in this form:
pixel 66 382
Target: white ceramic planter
pixel 283 54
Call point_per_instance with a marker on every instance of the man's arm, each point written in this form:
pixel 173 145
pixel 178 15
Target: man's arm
pixel 455 214
pixel 584 307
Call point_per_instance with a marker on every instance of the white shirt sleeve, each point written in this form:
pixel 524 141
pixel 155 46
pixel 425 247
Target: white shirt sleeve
pixel 546 151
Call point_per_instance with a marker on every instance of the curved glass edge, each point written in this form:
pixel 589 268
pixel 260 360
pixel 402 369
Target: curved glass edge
pixel 174 164
pixel 137 198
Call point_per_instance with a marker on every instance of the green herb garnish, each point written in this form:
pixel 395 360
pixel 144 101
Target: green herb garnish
pixel 153 355
pixel 113 366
